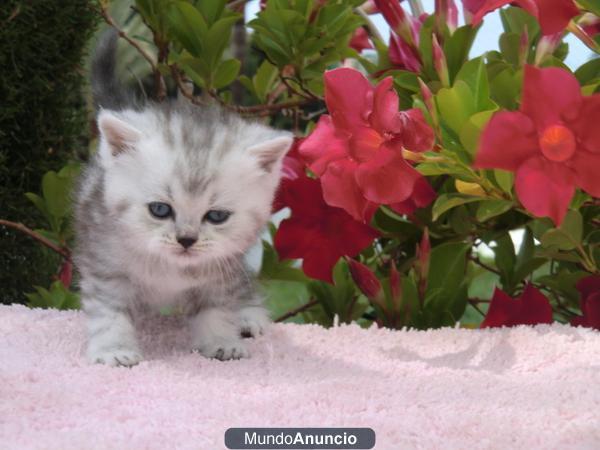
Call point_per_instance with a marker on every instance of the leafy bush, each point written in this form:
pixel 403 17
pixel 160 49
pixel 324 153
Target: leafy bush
pixel 411 158
pixel 43 121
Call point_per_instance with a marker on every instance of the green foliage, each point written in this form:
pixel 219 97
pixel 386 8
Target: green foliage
pixel 43 120
pixel 57 297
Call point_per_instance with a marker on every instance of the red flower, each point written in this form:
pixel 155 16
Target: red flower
pixel 553 15
pixel 357 150
pixel 292 168
pixel 360 40
pixel 589 287
pixel 552 143
pixel 531 308
pixel 317 232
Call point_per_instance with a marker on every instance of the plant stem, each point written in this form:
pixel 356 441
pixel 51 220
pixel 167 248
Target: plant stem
pixel 477 261
pixel 109 20
pixel 297 310
pixel 64 252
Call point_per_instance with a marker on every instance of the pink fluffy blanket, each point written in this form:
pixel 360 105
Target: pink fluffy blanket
pixel 505 388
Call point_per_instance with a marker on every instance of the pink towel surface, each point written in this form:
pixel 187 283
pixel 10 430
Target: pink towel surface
pixel 518 388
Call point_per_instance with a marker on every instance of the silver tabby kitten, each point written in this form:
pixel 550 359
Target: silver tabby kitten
pixel 165 212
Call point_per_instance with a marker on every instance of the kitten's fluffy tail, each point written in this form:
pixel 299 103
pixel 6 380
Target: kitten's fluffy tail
pixel 108 92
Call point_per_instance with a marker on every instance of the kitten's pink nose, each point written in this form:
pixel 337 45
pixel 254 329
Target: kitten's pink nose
pixel 186 241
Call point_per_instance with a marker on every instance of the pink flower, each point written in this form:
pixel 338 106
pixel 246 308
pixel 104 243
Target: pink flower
pixel 531 308
pixel 552 143
pixel 357 149
pixel 317 232
pixel 589 287
pixel 553 15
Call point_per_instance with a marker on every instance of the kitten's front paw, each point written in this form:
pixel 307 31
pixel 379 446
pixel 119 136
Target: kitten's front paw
pixel 254 320
pixel 223 350
pixel 115 357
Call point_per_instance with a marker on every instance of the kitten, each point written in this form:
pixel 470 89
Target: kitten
pixel 165 211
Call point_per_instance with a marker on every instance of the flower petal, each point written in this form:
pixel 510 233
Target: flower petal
pixel 588 285
pixel 323 145
pixel 506 142
pixel 545 188
pixel 502 310
pixel 417 135
pixel 555 15
pixel 592 311
pixel 535 308
pixel 586 127
pixel 586 165
pixel 544 102
pixel 422 195
pixel 386 178
pixel 385 117
pixel 490 5
pixel 318 233
pixel 341 190
pixel 349 97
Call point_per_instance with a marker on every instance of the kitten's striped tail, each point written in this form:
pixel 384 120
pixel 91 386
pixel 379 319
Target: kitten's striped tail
pixel 108 92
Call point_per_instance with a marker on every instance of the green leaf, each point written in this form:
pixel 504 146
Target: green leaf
pixel 187 25
pixel 265 77
pixel 474 74
pixel 273 269
pixel 471 130
pixel 492 208
pixel 588 72
pixel 505 259
pixel 590 5
pixel 510 46
pixel 568 235
pixel 456 105
pixel 217 39
pixel 56 190
pixel 457 48
pixel 226 73
pixel 504 179
pixel 446 289
pixel 446 202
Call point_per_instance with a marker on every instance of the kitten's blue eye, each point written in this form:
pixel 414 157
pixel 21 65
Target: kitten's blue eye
pixel 160 210
pixel 217 216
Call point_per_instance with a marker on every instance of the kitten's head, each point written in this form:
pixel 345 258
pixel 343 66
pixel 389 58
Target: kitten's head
pixel 186 184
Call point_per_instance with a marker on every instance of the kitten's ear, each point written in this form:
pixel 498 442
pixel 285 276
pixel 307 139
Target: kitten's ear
pixel 118 135
pixel 268 153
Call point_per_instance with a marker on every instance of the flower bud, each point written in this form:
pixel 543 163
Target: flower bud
pixel 524 47
pixel 365 279
pixel 469 188
pixel 395 286
pixel 439 62
pixel 66 274
pixel 446 13
pixel 396 18
pixel 546 46
pixel 369 7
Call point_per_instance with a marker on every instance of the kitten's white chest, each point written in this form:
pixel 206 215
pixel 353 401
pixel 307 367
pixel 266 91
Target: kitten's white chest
pixel 165 286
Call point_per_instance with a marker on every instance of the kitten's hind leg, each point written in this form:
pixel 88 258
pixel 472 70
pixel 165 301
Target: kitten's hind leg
pixel 216 334
pixel 111 333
